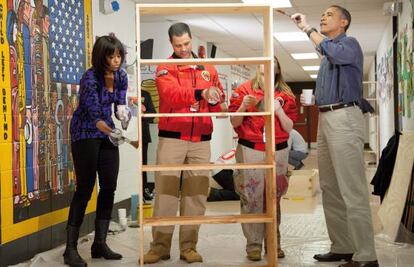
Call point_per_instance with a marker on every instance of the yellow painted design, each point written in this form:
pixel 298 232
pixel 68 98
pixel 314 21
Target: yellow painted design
pixel 27 227
pixel 88 33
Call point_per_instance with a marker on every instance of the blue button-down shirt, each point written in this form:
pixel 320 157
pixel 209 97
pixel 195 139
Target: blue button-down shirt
pixel 95 103
pixel 340 74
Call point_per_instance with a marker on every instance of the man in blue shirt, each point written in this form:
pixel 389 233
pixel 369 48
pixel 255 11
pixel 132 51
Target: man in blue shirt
pixel 341 139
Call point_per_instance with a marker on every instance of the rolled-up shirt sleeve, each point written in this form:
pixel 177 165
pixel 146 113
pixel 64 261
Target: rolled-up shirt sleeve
pixel 342 52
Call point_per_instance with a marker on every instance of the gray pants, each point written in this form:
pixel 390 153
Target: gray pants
pixel 343 183
pixel 249 184
pixel 296 157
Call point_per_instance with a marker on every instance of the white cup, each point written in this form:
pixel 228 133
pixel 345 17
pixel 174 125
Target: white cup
pixel 121 214
pixel 307 94
pixel 123 222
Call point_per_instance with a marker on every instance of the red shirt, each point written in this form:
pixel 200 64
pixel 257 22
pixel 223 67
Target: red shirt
pixel 176 86
pixel 252 127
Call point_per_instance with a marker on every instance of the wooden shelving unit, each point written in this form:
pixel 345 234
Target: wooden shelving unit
pixel 269 165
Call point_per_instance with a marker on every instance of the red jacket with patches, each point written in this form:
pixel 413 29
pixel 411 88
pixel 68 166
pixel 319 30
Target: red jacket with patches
pixel 176 85
pixel 252 127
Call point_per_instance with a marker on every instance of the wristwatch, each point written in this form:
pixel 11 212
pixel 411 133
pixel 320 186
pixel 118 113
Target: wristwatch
pixel 310 31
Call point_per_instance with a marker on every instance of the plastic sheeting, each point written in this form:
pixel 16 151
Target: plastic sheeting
pixel 303 235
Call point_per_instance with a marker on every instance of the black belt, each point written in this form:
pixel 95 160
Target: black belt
pixel 177 135
pixel 337 106
pixel 253 145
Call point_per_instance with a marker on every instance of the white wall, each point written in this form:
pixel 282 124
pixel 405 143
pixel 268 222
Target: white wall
pixel 122 23
pixel 386 104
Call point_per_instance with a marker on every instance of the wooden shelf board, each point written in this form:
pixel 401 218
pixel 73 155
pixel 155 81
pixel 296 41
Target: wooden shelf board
pixel 163 9
pixel 207 61
pixel 214 219
pixel 206 114
pixel 208 166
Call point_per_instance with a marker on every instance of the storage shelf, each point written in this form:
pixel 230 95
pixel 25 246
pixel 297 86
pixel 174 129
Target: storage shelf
pixel 163 9
pixel 205 114
pixel 207 61
pixel 216 219
pixel 208 166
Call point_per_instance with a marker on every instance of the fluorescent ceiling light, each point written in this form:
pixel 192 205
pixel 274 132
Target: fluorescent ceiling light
pixel 313 76
pixel 304 55
pixel 274 3
pixel 290 36
pixel 310 68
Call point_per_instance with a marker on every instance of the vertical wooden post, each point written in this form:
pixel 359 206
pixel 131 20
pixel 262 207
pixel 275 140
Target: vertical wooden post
pixel 139 122
pixel 271 208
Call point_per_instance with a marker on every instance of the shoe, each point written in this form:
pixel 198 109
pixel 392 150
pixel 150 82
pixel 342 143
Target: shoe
pixel 153 256
pixel 299 166
pixel 255 255
pixel 360 264
pixel 330 256
pixel 148 196
pixel 280 253
pixel 71 256
pixel 99 247
pixel 190 255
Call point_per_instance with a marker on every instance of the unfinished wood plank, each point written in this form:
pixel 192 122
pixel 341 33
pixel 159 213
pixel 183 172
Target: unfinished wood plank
pixel 163 9
pixel 392 207
pixel 207 61
pixel 221 219
pixel 205 114
pixel 207 166
pixel 140 190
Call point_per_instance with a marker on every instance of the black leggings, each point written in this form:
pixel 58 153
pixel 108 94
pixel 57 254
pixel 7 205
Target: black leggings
pixel 91 156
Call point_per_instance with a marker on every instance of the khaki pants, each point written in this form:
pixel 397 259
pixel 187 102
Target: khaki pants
pixel 194 190
pixel 249 184
pixel 343 183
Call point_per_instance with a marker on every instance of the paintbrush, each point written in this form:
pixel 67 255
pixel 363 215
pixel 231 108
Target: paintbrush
pixel 297 18
pixel 132 143
pixel 283 12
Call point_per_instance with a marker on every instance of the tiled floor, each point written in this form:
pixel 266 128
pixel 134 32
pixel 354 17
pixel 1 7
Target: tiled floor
pixel 303 234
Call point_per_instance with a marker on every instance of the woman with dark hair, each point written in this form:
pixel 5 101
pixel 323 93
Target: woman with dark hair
pixel 94 145
pixel 250 184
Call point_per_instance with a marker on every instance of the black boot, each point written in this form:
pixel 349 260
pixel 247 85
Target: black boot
pixel 71 256
pixel 99 246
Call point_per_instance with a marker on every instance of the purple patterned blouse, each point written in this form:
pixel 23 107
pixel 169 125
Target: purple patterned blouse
pixel 95 103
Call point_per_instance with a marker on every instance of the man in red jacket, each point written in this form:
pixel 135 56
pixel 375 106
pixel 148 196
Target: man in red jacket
pixel 183 89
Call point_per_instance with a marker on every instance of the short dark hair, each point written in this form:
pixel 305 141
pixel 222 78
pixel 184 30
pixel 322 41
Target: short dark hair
pixel 345 15
pixel 178 29
pixel 105 46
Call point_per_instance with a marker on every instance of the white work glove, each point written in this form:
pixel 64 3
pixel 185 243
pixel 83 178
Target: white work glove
pixel 300 20
pixel 116 137
pixel 121 112
pixel 124 115
pixel 249 100
pixel 212 95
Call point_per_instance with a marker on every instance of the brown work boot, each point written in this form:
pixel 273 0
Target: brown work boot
pixel 190 255
pixel 255 255
pixel 153 256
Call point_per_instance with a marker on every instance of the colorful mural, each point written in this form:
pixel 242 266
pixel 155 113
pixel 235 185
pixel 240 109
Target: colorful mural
pixel 385 77
pixel 405 63
pixel 45 48
pixel 405 70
